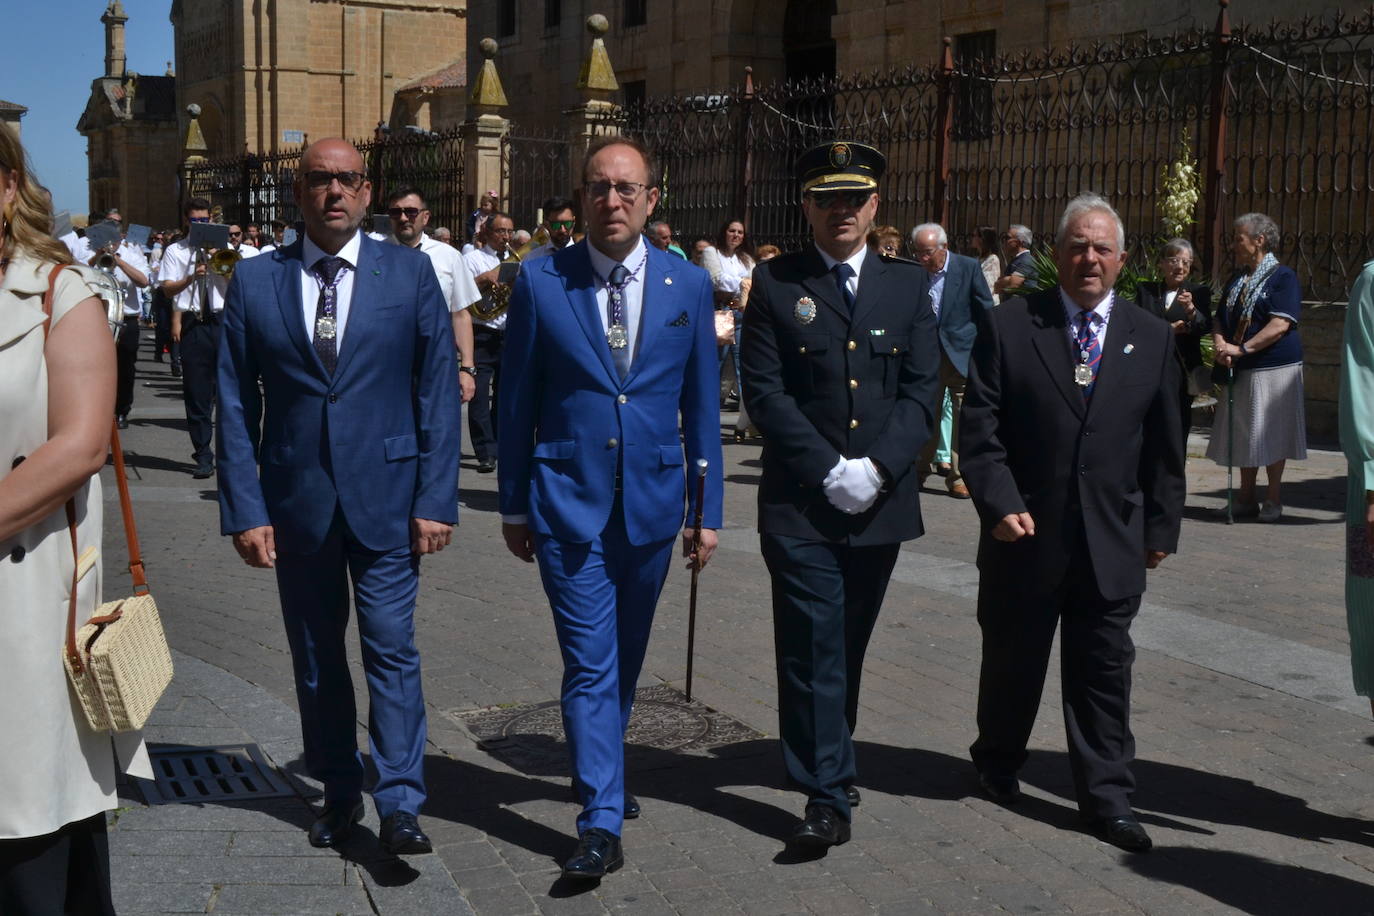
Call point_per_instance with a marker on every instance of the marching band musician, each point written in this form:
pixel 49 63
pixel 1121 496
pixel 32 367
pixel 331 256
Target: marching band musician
pixel 130 269
pixel 488 333
pixel 196 308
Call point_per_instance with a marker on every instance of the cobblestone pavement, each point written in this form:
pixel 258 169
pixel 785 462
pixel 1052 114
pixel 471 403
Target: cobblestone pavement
pixel 1256 770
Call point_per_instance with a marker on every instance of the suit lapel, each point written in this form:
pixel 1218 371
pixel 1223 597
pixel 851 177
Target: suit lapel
pixel 1117 346
pixel 651 311
pixel 289 300
pixel 368 283
pixel 870 287
pixel 581 289
pixel 1050 336
pixel 820 283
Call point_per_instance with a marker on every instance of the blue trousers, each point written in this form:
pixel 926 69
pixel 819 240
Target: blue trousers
pixel 603 595
pixel 314 600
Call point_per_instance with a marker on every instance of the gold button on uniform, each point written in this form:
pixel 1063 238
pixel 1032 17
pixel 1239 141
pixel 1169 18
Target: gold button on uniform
pixel 852 345
pixel 853 424
pixel 853 383
pixel 801 349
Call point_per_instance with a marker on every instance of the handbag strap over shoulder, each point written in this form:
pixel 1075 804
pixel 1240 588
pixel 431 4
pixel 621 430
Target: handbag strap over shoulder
pixel 136 569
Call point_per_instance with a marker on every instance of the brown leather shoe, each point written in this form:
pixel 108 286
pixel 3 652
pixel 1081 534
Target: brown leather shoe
pixel 958 490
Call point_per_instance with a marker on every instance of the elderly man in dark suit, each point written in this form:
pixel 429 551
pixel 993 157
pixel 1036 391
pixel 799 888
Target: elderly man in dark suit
pixel 959 297
pixel 1071 445
pixel 839 375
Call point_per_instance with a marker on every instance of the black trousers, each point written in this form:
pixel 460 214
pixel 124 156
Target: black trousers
pixel 66 873
pixel 481 413
pixel 1096 654
pixel 199 352
pixel 126 355
pixel 162 329
pixel 826 598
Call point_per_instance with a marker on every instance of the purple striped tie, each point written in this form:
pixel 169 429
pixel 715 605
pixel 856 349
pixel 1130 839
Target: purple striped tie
pixel 1087 342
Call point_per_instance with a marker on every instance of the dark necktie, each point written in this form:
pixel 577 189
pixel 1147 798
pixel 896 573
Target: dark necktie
pixel 842 274
pixel 1089 350
pixel 329 270
pixel 615 303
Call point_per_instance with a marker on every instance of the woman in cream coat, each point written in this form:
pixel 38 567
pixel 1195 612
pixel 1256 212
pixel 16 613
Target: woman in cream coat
pixel 57 776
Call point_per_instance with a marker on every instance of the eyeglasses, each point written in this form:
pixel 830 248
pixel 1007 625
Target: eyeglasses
pixel 628 190
pixel 563 224
pixel 320 180
pixel 827 199
pixel 199 219
pixel 1176 262
pixel 410 213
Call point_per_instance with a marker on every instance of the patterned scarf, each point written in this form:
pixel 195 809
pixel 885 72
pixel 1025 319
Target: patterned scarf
pixel 1247 291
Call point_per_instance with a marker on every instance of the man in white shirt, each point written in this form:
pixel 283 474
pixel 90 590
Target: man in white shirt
pixel 238 244
pixel 559 223
pixel 197 301
pixel 484 263
pixel 278 235
pixel 409 216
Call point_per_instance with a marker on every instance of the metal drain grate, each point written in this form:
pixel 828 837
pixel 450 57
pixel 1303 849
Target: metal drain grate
pixel 232 772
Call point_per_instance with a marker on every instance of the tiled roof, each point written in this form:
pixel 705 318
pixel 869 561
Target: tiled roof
pixel 11 106
pixel 452 75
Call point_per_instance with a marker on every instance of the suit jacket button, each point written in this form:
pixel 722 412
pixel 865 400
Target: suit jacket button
pixel 853 383
pixel 853 424
pixel 853 345
pixel 612 443
pixel 623 399
pixel 333 397
pixel 801 349
pixel 17 554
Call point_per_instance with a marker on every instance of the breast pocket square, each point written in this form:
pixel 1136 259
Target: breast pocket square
pixel 681 321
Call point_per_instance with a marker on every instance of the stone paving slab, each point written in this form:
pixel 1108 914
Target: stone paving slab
pixel 1255 772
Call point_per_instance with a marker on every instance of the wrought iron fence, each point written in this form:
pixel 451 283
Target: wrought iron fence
pixel 535 165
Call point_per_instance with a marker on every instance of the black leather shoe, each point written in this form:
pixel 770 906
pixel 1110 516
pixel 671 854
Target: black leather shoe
pixel 1004 790
pixel 176 371
pixel 598 854
pixel 486 465
pixel 401 835
pixel 631 807
pixel 821 827
pixel 334 823
pixel 1123 832
pixel 203 471
pixel 853 795
pixel 122 421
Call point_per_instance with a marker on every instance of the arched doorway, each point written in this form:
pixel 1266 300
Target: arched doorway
pixel 808 48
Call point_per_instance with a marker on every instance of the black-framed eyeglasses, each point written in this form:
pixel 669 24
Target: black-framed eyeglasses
pixel 318 180
pixel 563 224
pixel 628 190
pixel 410 213
pixel 827 199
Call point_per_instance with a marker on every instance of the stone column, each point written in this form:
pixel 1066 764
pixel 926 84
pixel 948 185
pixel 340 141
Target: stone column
pixel 597 115
pixel 194 155
pixel 483 130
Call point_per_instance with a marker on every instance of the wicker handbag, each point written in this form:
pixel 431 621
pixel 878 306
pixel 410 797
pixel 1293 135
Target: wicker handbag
pixel 118 663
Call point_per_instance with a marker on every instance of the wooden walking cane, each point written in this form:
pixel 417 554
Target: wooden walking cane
pixel 702 464
pixel 1230 438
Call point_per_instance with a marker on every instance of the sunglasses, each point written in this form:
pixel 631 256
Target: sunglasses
pixel 234 235
pixel 319 180
pixel 410 213
pixel 827 199
pixel 199 219
pixel 563 224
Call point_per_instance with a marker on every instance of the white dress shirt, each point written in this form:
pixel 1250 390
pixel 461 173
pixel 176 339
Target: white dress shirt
pixel 855 261
pixel 311 284
pixel 632 299
pixel 455 280
pixel 244 250
pixel 479 261
pixel 1102 313
pixel 178 263
pixel 133 256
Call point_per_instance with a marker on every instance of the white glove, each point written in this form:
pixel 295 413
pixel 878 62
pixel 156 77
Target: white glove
pixel 852 486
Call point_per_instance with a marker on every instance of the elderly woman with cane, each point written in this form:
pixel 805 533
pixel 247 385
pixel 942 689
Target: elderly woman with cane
pixel 1254 332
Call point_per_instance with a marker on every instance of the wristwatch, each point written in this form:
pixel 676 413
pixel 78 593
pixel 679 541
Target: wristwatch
pixel 470 370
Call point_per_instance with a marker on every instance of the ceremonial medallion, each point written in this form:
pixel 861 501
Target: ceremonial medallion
pixel 805 310
pixel 1083 375
pixel 325 328
pixel 617 337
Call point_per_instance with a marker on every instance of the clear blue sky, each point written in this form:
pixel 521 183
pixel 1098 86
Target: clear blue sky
pixel 51 71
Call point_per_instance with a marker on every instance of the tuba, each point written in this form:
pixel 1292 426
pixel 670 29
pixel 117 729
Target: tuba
pixel 494 304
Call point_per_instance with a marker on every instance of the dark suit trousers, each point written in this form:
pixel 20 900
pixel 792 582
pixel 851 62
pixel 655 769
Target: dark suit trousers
pixel 481 417
pixel 126 355
pixel 826 598
pixel 199 353
pixel 314 603
pixel 1096 653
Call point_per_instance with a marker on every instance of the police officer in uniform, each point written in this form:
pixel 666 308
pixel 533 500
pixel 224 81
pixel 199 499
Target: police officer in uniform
pixel 840 358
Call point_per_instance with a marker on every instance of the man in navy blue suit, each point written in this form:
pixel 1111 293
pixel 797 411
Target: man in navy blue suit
pixel 607 343
pixel 959 297
pixel 356 434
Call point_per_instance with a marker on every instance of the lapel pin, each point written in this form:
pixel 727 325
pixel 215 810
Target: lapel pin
pixel 1129 348
pixel 667 281
pixel 877 332
pixel 376 273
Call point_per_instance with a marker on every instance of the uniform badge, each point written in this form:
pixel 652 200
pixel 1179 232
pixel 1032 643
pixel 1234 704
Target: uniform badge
pixel 840 155
pixel 805 310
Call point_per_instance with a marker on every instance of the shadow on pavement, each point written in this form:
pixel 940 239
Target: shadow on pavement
pixel 1254 885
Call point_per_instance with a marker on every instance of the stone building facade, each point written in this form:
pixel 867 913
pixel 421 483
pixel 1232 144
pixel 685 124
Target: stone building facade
pixel 270 75
pixel 668 47
pixel 130 126
pixel 10 115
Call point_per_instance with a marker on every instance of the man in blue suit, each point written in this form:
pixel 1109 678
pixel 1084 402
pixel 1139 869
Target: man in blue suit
pixel 607 342
pixel 960 298
pixel 351 343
